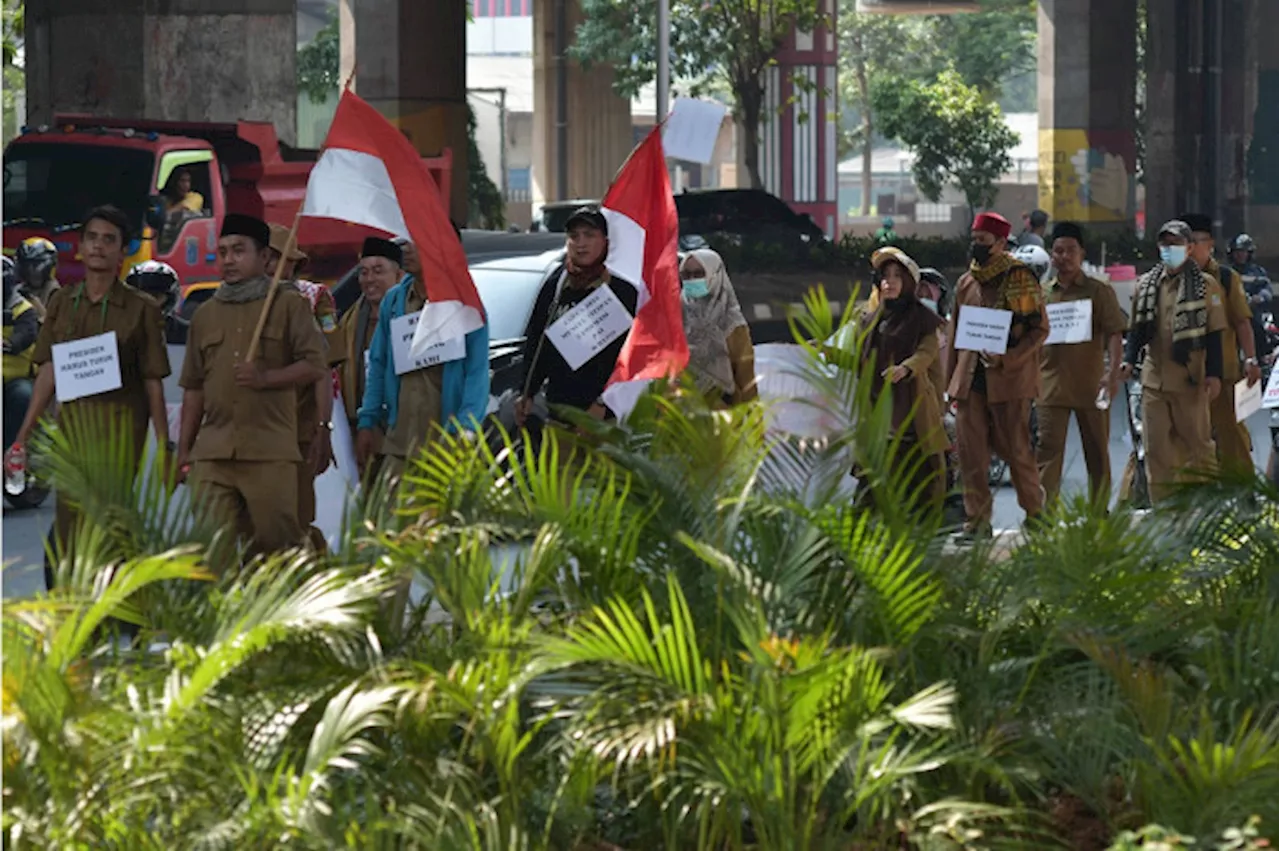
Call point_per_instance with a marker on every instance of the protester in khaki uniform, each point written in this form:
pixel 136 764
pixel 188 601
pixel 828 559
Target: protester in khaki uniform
pixel 103 304
pixel 1178 315
pixel 315 403
pixel 899 337
pixel 1230 436
pixel 1073 375
pixel 994 392
pixel 380 270
pixel 239 419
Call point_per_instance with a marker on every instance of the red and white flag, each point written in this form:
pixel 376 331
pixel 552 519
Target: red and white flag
pixel 643 233
pixel 369 174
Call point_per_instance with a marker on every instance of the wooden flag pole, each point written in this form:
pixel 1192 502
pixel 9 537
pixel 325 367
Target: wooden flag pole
pixel 275 285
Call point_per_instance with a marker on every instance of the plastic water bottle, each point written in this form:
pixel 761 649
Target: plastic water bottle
pixel 15 471
pixel 1103 402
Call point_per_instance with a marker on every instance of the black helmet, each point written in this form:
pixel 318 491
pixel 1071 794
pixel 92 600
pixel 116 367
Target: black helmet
pixel 37 260
pixel 157 280
pixel 1243 242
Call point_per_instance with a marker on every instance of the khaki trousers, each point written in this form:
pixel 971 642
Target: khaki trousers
pixel 1177 435
pixel 1006 428
pixel 259 499
pixel 1235 448
pixel 1095 432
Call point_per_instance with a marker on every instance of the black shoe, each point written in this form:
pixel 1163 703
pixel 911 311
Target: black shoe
pixel 974 532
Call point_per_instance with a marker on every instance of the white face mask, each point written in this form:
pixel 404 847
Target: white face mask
pixel 930 303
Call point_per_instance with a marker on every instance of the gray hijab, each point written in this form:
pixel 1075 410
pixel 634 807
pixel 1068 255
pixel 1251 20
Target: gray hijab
pixel 708 321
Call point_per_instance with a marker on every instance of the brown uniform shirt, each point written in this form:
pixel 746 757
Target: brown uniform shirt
pixel 420 405
pixel 1018 375
pixel 139 328
pixel 1070 372
pixel 1160 371
pixel 355 351
pixel 1236 302
pixel 308 411
pixel 240 423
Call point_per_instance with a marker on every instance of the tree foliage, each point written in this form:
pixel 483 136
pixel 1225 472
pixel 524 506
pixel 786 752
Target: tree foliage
pixel 319 62
pixel 730 42
pixel 957 135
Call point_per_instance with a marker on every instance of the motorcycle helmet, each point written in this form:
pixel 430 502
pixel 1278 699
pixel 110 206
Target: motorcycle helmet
pixel 37 261
pixel 157 280
pixel 1243 242
pixel 1035 258
pixel 935 280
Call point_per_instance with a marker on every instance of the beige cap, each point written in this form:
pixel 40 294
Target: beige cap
pixel 883 255
pixel 280 239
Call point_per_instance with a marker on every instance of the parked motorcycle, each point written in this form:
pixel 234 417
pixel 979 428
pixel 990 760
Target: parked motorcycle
pixel 22 488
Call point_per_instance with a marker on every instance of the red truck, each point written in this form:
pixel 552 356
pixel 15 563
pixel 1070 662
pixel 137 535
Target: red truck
pixel 53 174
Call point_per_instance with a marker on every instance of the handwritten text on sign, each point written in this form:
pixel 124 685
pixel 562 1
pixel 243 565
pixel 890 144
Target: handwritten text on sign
pixel 1271 397
pixel 86 367
pixel 1070 322
pixel 982 329
pixel 588 328
pixel 438 353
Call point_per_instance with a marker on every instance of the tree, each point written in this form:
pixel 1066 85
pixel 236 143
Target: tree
pixel 731 41
pixel 12 33
pixel 958 136
pixel 872 46
pixel 987 48
pixel 319 62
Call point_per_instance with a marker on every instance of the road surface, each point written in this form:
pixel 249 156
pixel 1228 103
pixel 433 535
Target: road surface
pixel 24 531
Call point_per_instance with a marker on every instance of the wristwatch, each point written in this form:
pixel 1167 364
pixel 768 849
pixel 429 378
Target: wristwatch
pixel 1250 361
pixel 325 424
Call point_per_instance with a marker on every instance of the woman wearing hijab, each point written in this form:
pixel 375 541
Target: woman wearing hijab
pixel 721 358
pixel 899 335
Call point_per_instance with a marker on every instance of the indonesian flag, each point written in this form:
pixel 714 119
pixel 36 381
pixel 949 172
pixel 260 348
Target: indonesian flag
pixel 643 229
pixel 369 174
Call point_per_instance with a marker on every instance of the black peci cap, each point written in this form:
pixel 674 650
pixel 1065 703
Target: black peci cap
pixel 589 215
pixel 1198 222
pixel 1067 230
pixel 375 246
pixel 238 224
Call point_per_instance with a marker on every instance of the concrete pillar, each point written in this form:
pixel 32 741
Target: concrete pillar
pixel 1167 144
pixel 410 61
pixel 185 60
pixel 1262 210
pixel 598 125
pixel 1087 74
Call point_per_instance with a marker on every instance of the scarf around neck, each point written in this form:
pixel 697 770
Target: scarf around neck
pixel 244 292
pixel 1019 290
pixel 1190 314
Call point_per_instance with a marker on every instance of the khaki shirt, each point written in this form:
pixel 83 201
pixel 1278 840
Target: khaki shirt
pixel 420 407
pixel 1236 303
pixel 1071 372
pixel 139 327
pixel 1018 375
pixel 308 412
pixel 354 362
pixel 1160 371
pixel 241 423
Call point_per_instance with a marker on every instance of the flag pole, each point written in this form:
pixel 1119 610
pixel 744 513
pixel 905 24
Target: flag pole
pixel 275 284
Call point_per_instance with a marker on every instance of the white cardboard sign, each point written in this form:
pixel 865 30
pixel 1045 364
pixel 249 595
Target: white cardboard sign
pixel 692 129
pixel 1248 399
pixel 402 342
pixel 983 329
pixel 86 367
pixel 589 327
pixel 1070 322
pixel 1271 396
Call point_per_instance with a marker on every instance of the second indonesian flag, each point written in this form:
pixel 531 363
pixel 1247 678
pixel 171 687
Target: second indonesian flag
pixel 369 174
pixel 643 229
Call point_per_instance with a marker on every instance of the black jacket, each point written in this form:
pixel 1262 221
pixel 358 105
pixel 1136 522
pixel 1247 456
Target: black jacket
pixel 543 363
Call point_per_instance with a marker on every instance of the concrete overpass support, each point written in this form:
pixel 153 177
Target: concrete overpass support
pixel 581 128
pixel 1087 72
pixel 196 60
pixel 410 63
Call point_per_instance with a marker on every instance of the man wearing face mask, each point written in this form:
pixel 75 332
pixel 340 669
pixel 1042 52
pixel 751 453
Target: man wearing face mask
pixel 1230 437
pixel 1178 316
pixel 1073 376
pixel 994 392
